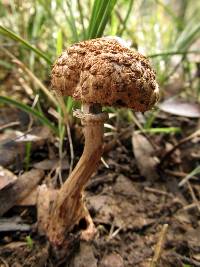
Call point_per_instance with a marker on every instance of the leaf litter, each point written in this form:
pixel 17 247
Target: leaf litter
pixel 129 202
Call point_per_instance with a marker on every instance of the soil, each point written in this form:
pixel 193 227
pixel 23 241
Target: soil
pixel 129 210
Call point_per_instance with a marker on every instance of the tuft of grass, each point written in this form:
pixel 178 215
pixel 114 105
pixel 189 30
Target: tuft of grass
pixel 153 27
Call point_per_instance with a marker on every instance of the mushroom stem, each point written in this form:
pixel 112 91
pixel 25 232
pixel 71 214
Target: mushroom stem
pixel 69 209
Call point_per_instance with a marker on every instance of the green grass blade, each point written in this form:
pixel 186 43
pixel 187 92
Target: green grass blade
pixel 73 22
pixel 188 39
pixel 80 9
pixel 96 6
pixel 105 18
pixel 150 119
pixel 172 53
pixel 8 33
pixel 167 130
pixel 29 110
pixel 69 104
pixel 100 16
pixel 124 23
pixel 27 155
pixel 194 172
pixel 29 242
pixel 189 34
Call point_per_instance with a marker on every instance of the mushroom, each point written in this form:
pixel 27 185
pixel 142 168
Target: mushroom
pixel 98 72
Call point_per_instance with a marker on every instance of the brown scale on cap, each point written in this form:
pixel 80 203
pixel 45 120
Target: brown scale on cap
pixel 104 71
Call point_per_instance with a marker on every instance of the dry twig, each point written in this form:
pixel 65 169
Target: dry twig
pixel 183 141
pixel 159 246
pixel 194 198
pixel 157 191
pixel 10 124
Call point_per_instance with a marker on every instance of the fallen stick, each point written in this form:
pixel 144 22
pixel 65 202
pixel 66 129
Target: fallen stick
pixel 25 184
pixel 159 246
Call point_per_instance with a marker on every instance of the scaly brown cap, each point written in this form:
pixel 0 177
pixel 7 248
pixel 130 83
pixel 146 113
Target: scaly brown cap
pixel 104 71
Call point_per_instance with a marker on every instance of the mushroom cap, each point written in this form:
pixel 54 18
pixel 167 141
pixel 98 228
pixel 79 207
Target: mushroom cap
pixel 106 72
